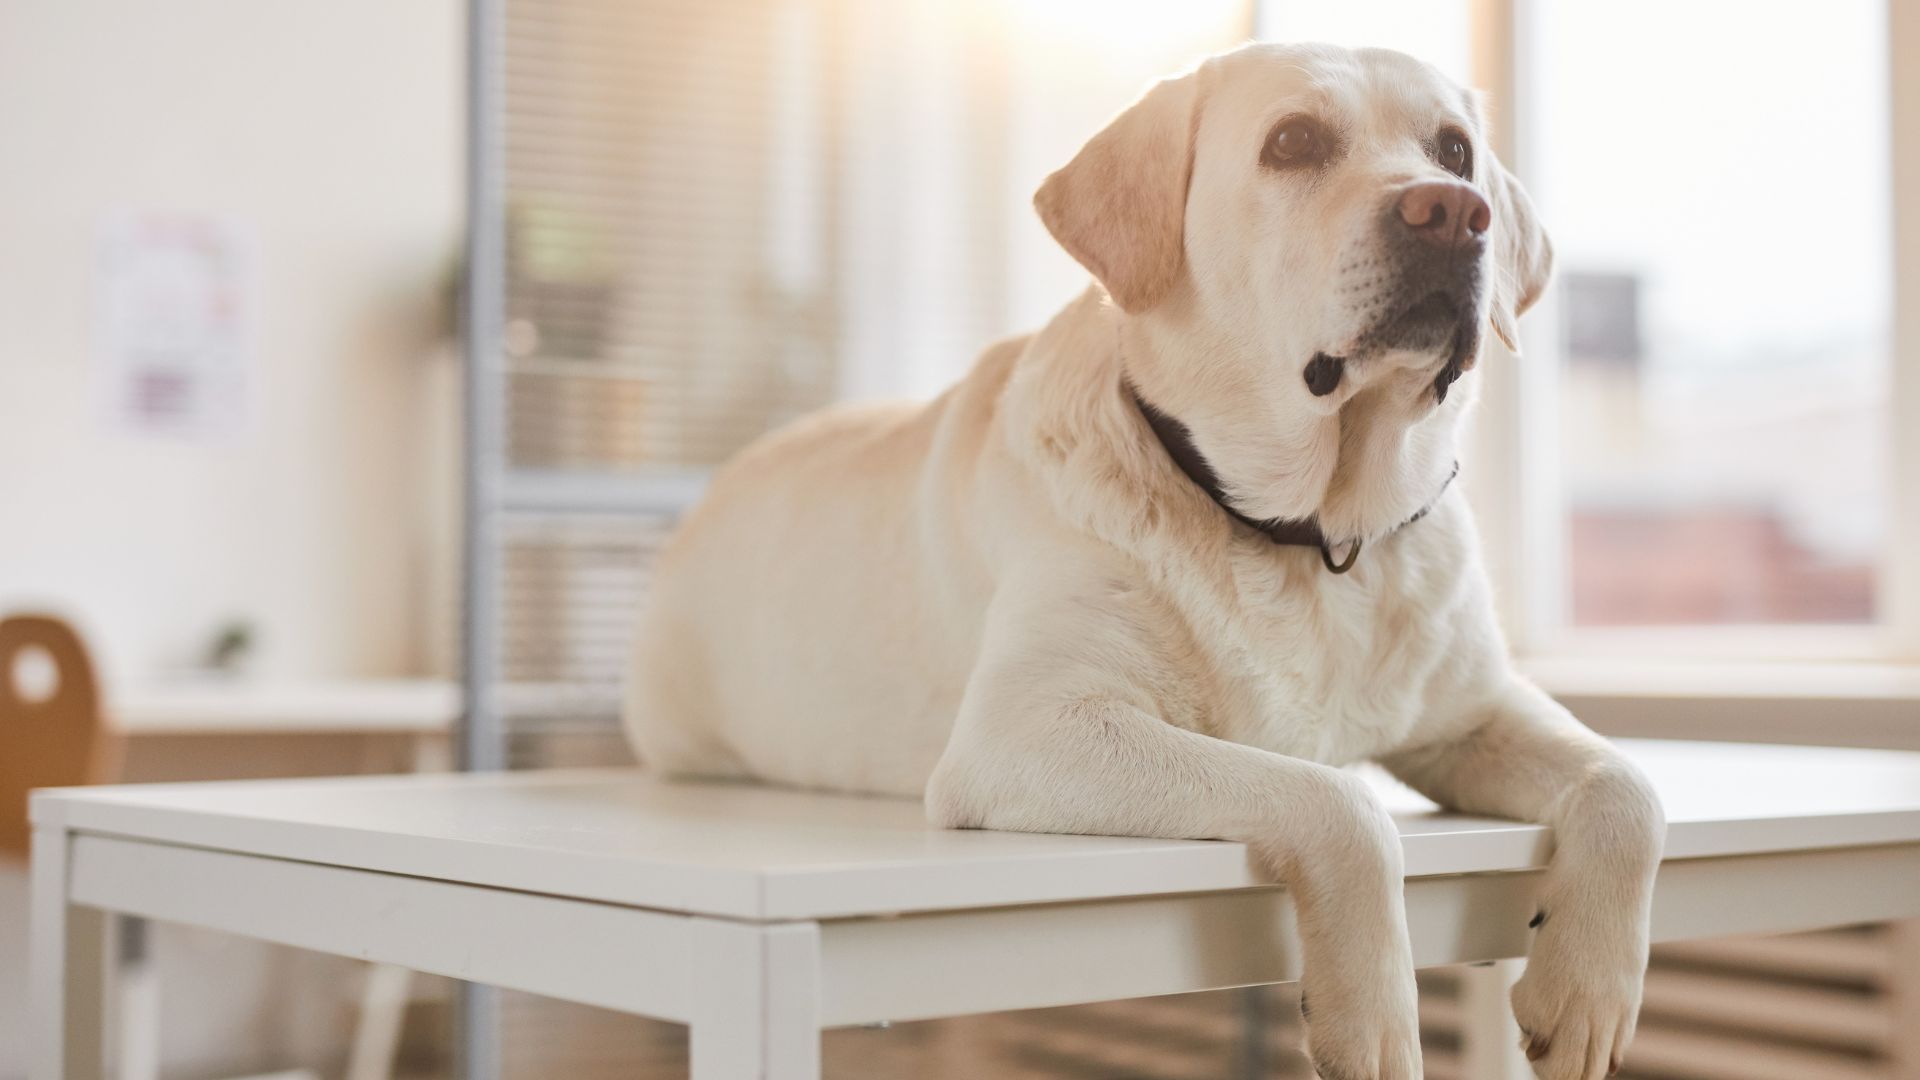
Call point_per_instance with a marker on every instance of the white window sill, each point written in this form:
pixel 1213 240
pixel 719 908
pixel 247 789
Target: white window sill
pixel 1824 704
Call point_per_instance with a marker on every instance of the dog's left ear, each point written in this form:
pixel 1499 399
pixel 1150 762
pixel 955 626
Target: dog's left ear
pixel 1523 256
pixel 1120 206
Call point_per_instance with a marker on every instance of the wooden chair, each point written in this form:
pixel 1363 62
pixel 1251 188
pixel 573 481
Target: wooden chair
pixel 55 739
pixel 60 738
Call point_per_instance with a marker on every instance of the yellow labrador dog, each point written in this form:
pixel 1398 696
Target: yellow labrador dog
pixel 1164 567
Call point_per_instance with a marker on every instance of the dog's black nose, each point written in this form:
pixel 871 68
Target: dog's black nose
pixel 1445 213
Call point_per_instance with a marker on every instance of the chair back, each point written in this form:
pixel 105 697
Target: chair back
pixel 53 736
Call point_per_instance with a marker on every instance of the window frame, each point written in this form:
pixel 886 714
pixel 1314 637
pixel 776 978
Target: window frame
pixel 1900 580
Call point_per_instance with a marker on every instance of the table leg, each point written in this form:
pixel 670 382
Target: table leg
pixel 756 1001
pixel 136 1000
pixel 1490 1039
pixel 431 753
pixel 68 964
pixel 383 1014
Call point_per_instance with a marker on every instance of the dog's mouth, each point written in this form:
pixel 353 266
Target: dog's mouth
pixel 1438 324
pixel 1428 325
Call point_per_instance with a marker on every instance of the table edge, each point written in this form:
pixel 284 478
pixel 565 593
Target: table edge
pixel 901 885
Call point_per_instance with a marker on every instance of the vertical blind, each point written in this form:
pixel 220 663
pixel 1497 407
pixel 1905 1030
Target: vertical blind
pixel 669 179
pixel 668 298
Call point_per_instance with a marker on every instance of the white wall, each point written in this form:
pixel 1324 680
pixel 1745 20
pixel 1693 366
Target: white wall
pixel 330 130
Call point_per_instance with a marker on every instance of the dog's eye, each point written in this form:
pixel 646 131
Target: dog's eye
pixel 1297 142
pixel 1454 153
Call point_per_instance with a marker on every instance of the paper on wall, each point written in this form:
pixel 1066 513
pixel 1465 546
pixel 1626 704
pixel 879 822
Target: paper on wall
pixel 173 325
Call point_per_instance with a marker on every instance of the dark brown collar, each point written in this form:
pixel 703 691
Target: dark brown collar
pixel 1177 438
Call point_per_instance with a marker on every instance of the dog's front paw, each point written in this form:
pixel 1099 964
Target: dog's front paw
pixel 1368 1037
pixel 1579 999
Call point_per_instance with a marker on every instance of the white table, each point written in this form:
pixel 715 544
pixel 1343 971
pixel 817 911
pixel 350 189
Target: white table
pixel 204 728
pixel 760 916
pixel 209 706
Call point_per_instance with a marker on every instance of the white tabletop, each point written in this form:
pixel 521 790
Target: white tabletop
pixel 218 706
pixel 621 836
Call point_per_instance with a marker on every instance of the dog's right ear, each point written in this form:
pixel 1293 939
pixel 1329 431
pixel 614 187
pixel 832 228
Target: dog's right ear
pixel 1120 206
pixel 1523 255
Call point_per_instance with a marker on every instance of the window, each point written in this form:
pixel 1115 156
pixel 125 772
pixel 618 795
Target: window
pixel 716 222
pixel 1721 224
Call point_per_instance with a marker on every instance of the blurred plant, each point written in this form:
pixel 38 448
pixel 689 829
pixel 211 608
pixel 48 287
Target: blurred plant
pixel 232 643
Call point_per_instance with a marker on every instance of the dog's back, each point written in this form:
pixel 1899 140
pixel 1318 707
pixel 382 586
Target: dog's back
pixel 775 643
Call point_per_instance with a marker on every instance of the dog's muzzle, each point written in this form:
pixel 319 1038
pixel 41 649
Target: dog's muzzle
pixel 1436 234
pixel 1435 239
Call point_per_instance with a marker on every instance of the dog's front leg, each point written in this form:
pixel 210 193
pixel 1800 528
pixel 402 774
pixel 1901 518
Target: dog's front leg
pixel 1528 758
pixel 1057 733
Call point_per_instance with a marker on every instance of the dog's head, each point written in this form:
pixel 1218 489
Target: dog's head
pixel 1308 231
